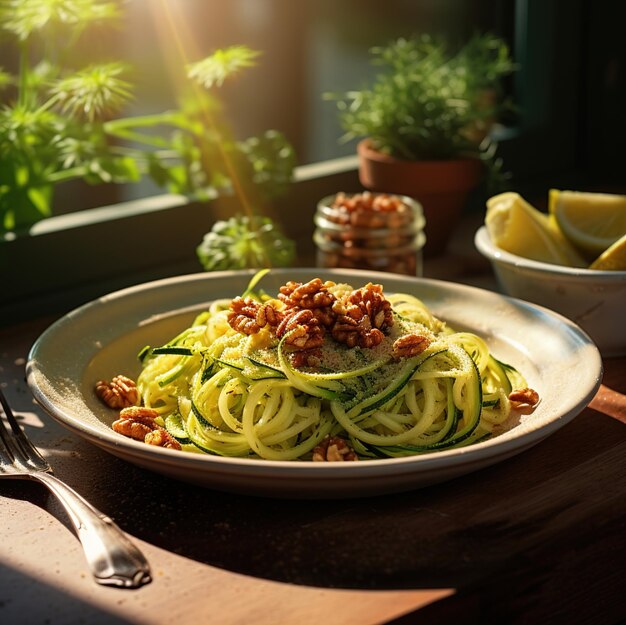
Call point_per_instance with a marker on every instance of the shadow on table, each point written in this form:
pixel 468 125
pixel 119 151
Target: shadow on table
pixel 27 601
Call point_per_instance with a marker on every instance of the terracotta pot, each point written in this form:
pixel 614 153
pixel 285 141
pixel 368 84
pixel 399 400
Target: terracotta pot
pixel 441 187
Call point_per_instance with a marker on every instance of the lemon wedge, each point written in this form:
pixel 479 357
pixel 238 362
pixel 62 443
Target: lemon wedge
pixel 519 228
pixel 591 221
pixel 612 259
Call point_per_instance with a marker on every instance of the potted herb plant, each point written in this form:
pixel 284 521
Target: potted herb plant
pixel 424 123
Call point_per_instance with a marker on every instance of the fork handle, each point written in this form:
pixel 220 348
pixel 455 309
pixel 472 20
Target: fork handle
pixel 112 558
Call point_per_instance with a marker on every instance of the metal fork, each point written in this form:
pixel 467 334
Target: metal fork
pixel 112 558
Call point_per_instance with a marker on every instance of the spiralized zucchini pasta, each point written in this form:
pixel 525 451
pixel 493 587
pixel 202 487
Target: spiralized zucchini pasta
pixel 321 371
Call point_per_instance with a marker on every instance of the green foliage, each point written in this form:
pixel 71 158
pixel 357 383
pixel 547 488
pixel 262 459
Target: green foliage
pixel 222 64
pixel 428 102
pixel 243 242
pixel 59 123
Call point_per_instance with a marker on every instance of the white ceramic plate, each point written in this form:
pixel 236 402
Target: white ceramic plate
pixel 102 339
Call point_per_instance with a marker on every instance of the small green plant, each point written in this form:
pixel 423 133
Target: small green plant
pixel 60 123
pixel 427 102
pixel 245 242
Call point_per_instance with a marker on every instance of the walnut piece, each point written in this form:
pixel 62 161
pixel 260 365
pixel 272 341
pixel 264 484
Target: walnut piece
pixel 306 331
pixel 120 392
pixel 410 345
pixel 525 396
pixel 306 358
pixel 267 315
pixel 333 449
pixel 137 422
pixel 371 302
pixel 312 294
pixel 242 315
pixel 355 332
pixel 161 438
pixel 248 316
pixel 362 317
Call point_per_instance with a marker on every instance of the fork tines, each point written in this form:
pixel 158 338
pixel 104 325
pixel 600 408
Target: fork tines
pixel 16 445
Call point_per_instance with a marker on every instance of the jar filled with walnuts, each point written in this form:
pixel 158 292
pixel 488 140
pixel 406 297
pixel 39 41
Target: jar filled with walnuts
pixel 376 231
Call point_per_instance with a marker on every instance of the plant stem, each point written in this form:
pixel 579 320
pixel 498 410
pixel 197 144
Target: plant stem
pixel 66 174
pixel 126 128
pixel 24 82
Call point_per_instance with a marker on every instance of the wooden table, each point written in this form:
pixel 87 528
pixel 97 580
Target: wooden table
pixel 539 538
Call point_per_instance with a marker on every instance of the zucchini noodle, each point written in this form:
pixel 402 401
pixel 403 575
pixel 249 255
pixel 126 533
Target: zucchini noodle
pixel 222 392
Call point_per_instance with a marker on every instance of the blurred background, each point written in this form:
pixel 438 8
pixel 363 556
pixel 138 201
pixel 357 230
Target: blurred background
pixel 569 93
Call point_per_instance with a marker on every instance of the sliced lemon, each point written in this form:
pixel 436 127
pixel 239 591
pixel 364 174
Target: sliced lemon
pixel 519 228
pixel 612 259
pixel 591 221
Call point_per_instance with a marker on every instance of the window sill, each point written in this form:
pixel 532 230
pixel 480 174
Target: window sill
pixel 68 259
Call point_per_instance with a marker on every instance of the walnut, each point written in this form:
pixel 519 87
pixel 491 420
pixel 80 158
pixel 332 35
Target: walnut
pixel 355 332
pixel 138 422
pixel 524 396
pixel 312 294
pixel 410 345
pixel 371 301
pixel 242 315
pixel 306 358
pixel 120 392
pixel 334 449
pixel 362 315
pixel 161 438
pixel 135 422
pixel 267 315
pixel 325 316
pixel 307 333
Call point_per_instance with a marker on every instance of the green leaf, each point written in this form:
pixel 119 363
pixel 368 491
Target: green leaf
pixel 272 160
pixel 40 198
pixel 24 17
pixel 93 92
pixel 222 64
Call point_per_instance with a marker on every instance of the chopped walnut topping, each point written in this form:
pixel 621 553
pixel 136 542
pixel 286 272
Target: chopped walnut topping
pixel 306 358
pixel 410 345
pixel 334 449
pixel 248 316
pixel 242 315
pixel 307 333
pixel 161 438
pixel 312 294
pixel 362 315
pixel 525 396
pixel 355 332
pixel 267 315
pixel 371 302
pixel 137 422
pixel 120 392
pixel 358 318
pixel 325 316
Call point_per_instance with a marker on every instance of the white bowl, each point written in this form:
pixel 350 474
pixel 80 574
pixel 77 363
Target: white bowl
pixel 594 300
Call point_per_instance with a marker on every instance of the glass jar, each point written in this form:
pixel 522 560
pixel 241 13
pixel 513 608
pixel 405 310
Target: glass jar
pixel 375 231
